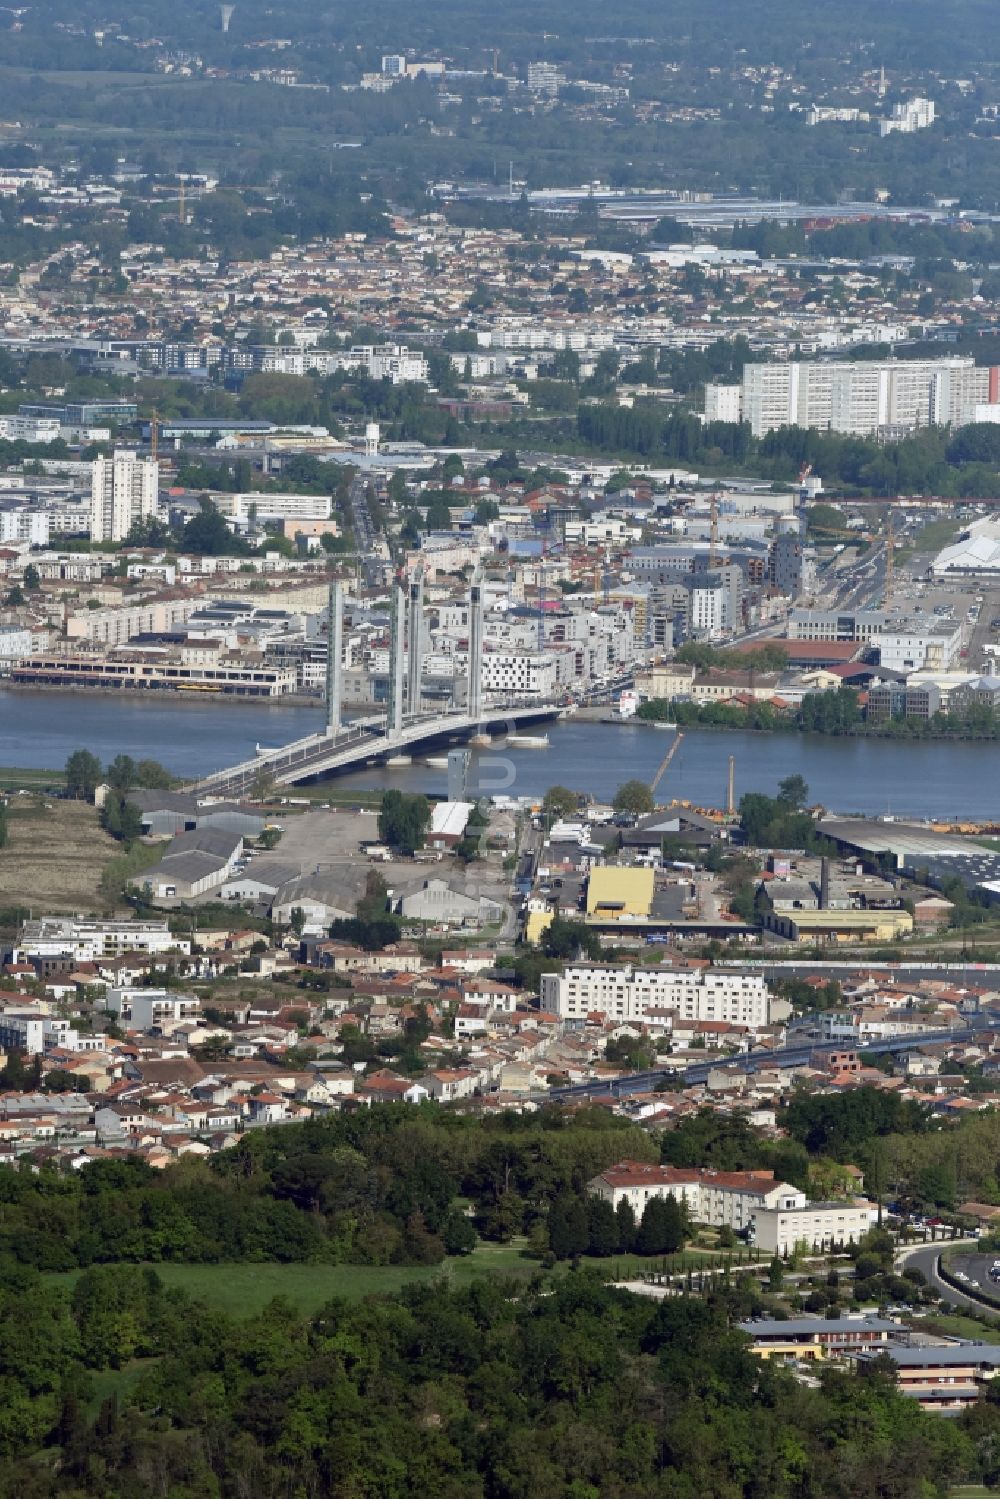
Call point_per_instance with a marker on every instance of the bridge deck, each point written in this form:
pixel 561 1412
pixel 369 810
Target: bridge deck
pixel 323 754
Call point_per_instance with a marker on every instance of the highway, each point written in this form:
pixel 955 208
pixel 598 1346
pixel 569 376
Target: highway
pixel 785 1056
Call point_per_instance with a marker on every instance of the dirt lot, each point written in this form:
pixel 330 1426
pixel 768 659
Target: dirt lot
pixel 54 858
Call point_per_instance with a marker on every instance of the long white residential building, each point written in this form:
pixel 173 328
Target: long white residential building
pixel 865 397
pixel 72 936
pixel 627 994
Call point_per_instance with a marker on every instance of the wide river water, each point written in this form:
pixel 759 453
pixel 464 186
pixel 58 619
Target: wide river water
pixel 41 729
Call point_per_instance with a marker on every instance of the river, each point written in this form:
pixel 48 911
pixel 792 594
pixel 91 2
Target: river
pixel 942 779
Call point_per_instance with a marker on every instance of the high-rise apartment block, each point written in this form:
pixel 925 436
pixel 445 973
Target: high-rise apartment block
pixel 124 490
pixel 545 78
pixel 914 114
pixel 867 397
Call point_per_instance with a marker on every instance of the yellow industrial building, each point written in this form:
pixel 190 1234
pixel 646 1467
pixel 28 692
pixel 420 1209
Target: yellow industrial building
pixel 841 926
pixel 615 894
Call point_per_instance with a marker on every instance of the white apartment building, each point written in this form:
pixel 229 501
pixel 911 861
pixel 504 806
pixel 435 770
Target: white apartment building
pixel 719 1198
pixel 545 78
pixel 860 398
pixel 273 507
pixel 116 626
pixel 124 490
pixel 914 114
pixel 602 530
pixel 38 429
pixel 32 1032
pixel 829 624
pixel 16 644
pixel 393 362
pixel 627 994
pixel 916 647
pixel 520 674
pixel 86 941
pixel 24 523
pixel 143 1009
pixel 709 609
pixel 820 1225
pixel 723 403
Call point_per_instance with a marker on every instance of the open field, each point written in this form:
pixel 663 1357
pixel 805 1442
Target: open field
pixel 16 778
pixel 55 855
pixel 244 1290
pixel 956 1326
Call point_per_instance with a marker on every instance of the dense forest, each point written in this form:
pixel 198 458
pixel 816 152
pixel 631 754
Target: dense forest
pixel 569 1391
pixel 377 1188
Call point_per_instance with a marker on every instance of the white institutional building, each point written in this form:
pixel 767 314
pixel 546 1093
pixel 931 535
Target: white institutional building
pixel 124 489
pixel 776 1216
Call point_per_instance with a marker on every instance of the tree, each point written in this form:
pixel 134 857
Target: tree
pixel 634 797
pixel 564 939
pixel 559 801
pixel 793 792
pixel 602 1227
pixel 207 535
pixel 625 1218
pixel 32 580
pixel 152 776
pixel 569 1231
pixel 263 785
pixel 458 1233
pixel 661 1230
pixel 403 821
pixel 122 774
pixel 83 775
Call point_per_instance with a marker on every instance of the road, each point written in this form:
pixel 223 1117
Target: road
pixel 984 634
pixel 364 533
pixel 926 1258
pixel 784 1056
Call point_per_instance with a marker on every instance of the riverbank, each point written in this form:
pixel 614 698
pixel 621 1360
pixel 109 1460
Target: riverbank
pixel 166 695
pixel 785 726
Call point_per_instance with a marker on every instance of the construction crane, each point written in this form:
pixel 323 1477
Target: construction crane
pixel 804 473
pixel 665 762
pixel 713 529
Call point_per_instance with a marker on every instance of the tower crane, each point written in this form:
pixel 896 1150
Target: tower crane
pixel 665 762
pixel 713 531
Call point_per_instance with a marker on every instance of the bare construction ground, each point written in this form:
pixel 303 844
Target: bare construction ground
pixel 55 855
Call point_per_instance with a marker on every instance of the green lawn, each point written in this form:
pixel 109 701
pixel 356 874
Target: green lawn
pixel 957 1326
pixel 13 778
pixel 243 1290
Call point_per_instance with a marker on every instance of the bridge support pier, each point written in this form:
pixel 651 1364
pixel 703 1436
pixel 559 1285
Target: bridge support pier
pixel 397 662
pixel 474 691
pixel 334 657
pixel 415 643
